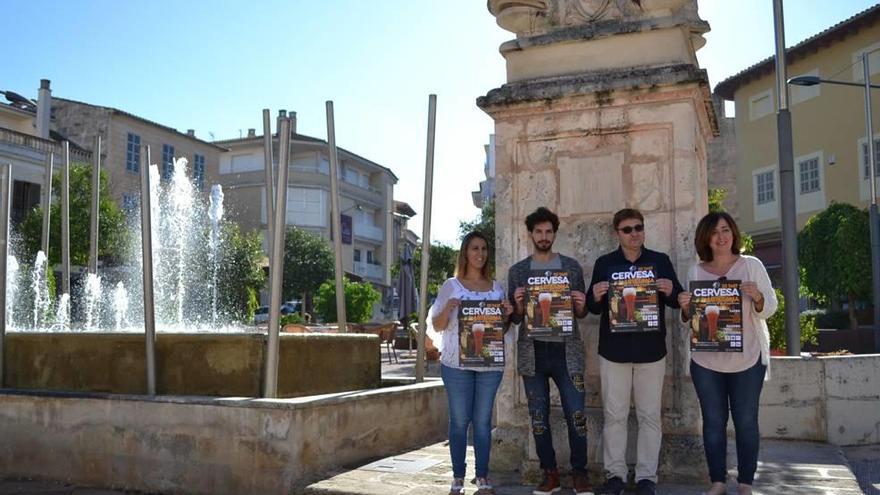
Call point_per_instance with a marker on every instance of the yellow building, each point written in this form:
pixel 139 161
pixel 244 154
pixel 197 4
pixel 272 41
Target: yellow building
pixel 828 122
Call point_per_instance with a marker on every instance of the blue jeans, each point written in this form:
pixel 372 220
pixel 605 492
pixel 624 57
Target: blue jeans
pixel 550 363
pixel 471 396
pixel 738 393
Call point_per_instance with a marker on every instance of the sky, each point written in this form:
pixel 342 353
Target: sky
pixel 214 65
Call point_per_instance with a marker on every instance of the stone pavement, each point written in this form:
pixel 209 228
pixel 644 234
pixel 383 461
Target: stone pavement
pixel 786 468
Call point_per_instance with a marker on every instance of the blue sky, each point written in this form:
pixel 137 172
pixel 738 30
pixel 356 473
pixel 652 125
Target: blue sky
pixel 213 66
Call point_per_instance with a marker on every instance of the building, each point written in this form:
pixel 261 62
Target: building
pixel 487 187
pixel 721 158
pixel 123 135
pixel 366 190
pixel 828 121
pixel 26 142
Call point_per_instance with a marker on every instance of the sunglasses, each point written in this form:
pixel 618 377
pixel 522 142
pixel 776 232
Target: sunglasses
pixel 629 229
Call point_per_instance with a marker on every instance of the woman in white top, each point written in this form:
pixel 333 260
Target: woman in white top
pixel 729 383
pixel 470 391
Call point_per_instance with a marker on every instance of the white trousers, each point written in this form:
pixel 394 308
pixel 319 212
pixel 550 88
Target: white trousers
pixel 645 382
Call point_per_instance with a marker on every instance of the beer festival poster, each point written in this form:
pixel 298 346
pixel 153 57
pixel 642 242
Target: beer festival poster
pixel 632 299
pixel 716 316
pixel 481 334
pixel 549 310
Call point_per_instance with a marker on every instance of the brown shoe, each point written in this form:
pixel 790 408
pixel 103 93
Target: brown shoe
pixel 581 483
pixel 549 484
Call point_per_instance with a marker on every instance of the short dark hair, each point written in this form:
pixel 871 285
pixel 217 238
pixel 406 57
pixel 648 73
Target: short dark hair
pixel 626 214
pixel 706 227
pixel 541 215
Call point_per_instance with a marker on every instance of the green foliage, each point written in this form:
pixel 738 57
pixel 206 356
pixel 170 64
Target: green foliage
pixel 293 318
pixel 239 276
pixel 835 254
pixel 716 199
pixel 440 267
pixel 113 235
pixel 484 224
pixel 359 300
pixel 776 325
pixel 308 262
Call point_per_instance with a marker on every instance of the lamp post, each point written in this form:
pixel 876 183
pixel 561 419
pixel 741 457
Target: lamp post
pixel 872 209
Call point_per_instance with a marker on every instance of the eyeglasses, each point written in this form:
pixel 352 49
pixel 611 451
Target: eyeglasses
pixel 629 229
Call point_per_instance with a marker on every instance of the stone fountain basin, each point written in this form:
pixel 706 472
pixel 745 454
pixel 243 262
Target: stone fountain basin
pixel 191 364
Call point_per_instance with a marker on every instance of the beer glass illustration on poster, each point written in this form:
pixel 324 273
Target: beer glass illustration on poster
pixel 716 316
pixel 632 299
pixel 481 334
pixel 549 307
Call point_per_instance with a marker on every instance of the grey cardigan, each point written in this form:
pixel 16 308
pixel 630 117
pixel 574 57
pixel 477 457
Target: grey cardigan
pixel 575 356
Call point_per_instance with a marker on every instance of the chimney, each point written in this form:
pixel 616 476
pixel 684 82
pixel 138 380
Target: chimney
pixel 44 109
pixel 252 132
pixel 281 114
pixel 191 132
pixel 292 125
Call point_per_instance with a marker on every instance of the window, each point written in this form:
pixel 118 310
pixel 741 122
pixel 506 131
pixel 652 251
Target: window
pixel 199 171
pixel 765 192
pixel 167 161
pixel 357 254
pixel 760 105
pixel 865 172
pixel 370 257
pixel 133 153
pixel 809 175
pixel 130 203
pixel 350 175
pixel 307 206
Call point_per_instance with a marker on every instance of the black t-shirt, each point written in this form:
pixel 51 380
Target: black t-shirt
pixel 642 347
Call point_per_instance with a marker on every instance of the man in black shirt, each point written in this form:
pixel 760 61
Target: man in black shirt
pixel 633 356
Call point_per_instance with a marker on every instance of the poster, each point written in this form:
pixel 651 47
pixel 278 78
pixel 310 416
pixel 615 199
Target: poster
pixel 481 334
pixel 716 316
pixel 633 304
pixel 549 306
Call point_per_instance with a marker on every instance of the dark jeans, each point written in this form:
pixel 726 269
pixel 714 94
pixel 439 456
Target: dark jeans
pixel 738 393
pixel 550 363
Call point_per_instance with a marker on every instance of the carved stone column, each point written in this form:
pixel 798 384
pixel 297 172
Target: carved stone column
pixel 605 107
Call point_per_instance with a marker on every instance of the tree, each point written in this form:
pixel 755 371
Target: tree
pixel 440 267
pixel 776 325
pixel 308 262
pixel 359 300
pixel 240 276
pixel 716 204
pixel 485 224
pixel 835 255
pixel 114 239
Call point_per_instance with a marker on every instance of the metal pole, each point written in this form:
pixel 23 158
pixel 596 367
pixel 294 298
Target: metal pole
pixel 65 221
pixel 426 238
pixel 147 253
pixel 5 196
pixel 47 204
pixel 786 185
pixel 336 221
pixel 270 176
pixel 96 186
pixel 872 209
pixel 276 259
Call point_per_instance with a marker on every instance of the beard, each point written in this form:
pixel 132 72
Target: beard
pixel 543 246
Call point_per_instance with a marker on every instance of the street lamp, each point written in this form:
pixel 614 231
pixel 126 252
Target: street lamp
pixel 873 215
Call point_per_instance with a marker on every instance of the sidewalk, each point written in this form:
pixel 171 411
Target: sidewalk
pixel 787 468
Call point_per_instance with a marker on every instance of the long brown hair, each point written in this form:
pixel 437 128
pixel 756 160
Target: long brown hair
pixel 706 227
pixel 461 266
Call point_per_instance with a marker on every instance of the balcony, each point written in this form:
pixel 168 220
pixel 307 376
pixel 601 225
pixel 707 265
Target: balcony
pixel 369 232
pixel 369 270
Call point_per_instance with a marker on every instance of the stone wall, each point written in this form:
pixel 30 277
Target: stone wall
pixel 226 365
pixel 211 446
pixel 828 399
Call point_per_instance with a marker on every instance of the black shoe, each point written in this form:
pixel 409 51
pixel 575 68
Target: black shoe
pixel 645 487
pixel 612 486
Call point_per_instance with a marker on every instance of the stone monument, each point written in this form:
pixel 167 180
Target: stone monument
pixel 605 107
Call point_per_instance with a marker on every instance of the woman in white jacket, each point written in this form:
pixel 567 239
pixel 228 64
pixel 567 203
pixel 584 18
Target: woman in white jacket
pixel 730 383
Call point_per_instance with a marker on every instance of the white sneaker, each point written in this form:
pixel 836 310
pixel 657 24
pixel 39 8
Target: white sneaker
pixel 484 487
pixel 457 487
